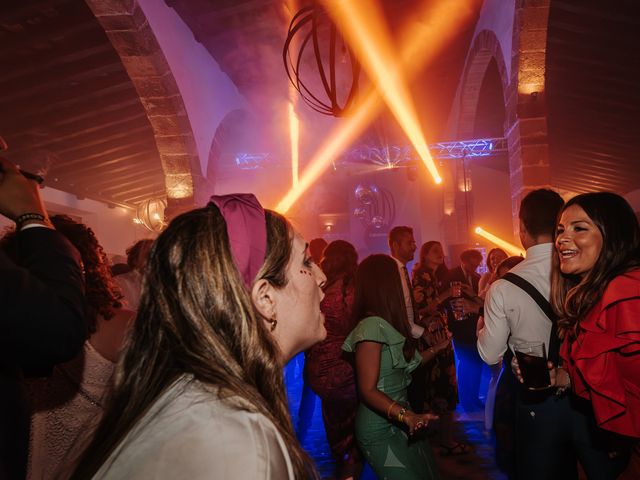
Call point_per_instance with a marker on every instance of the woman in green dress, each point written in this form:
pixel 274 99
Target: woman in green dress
pixel 387 431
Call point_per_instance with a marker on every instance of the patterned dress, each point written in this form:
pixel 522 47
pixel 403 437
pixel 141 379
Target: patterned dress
pixel 441 383
pixel 331 376
pixel 66 408
pixel 386 446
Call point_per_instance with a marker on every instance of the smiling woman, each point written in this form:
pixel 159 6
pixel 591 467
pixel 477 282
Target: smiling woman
pixel 579 241
pixel 596 292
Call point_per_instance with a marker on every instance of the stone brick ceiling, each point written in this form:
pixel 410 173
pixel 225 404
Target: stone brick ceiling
pixel 593 94
pixel 66 95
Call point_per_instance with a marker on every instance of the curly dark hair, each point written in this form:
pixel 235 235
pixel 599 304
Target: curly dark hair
pixel 103 295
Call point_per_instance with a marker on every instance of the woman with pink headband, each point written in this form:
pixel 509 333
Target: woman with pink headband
pixel 229 296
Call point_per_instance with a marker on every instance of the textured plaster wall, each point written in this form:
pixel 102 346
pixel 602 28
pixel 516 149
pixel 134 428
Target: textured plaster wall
pixel 208 93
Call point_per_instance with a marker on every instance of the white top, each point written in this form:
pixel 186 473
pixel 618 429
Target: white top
pixel 416 330
pixel 65 409
pixel 509 310
pixel 190 433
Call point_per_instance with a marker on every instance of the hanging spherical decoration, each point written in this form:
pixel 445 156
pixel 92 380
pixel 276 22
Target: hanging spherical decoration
pixel 150 213
pixel 375 206
pixel 330 57
pixel 365 194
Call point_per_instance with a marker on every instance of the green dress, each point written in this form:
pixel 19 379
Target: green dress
pixel 385 445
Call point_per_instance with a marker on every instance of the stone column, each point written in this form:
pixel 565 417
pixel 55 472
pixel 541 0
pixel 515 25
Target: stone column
pixel 526 130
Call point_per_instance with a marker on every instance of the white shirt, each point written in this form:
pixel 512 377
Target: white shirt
pixel 510 314
pixel 190 433
pixel 416 330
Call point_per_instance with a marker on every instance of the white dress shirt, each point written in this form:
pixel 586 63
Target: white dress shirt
pixel 510 314
pixel 416 330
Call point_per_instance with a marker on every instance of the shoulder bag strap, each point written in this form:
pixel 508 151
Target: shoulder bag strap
pixel 545 306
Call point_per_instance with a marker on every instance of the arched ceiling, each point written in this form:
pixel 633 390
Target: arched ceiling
pixel 66 95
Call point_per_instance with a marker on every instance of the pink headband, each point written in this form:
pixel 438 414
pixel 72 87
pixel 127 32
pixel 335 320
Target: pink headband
pixel 247 231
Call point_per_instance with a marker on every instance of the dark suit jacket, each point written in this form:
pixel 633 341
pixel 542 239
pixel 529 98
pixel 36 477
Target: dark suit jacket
pixel 464 331
pixel 457 274
pixel 42 323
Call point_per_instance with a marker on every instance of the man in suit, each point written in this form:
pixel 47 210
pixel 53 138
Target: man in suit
pixel 464 331
pixel 402 247
pixel 42 301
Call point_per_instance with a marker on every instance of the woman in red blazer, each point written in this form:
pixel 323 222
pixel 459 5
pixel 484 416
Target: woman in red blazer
pixel 596 292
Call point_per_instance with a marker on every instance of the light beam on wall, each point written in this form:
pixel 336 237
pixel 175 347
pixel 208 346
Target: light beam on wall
pixel 506 246
pixel 363 26
pixel 424 36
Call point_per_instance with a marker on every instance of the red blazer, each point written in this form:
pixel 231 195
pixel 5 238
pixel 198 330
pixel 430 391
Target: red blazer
pixel 604 361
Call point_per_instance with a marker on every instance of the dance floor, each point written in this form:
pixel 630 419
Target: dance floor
pixel 307 419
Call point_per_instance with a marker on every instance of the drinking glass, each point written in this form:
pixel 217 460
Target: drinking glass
pixel 457 304
pixel 456 289
pixel 532 360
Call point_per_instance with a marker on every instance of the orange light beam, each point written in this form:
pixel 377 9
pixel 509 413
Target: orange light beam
pixel 294 137
pixel 421 41
pixel 290 8
pixel 508 247
pixel 363 26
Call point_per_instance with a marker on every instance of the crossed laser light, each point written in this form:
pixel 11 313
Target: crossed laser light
pixel 421 41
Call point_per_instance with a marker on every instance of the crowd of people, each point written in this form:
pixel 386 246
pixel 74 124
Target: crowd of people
pixel 173 368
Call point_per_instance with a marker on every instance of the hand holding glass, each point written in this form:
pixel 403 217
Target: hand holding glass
pixel 532 362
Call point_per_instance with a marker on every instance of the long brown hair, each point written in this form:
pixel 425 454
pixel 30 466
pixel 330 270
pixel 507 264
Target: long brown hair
pixel 441 271
pixel 571 296
pixel 379 292
pixel 196 317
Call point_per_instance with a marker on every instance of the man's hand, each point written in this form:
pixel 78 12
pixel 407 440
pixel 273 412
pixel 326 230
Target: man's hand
pixel 18 194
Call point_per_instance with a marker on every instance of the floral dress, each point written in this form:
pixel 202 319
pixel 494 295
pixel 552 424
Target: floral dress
pixel 331 376
pixel 441 383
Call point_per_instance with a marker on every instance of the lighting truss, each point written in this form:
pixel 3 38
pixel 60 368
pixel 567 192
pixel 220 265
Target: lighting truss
pixel 482 147
pixel 394 156
pixel 251 161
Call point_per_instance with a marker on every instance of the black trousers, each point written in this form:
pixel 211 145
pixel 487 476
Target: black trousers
pixel 553 434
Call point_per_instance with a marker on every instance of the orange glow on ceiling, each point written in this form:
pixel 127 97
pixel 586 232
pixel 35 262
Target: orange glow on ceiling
pixel 508 247
pixel 363 26
pixel 427 33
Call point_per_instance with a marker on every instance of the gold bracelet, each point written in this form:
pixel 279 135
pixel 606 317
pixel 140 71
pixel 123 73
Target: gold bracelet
pixel 389 409
pixel 401 414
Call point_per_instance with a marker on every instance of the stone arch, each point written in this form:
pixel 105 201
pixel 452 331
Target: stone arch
pixel 132 37
pixel 484 56
pixel 485 48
